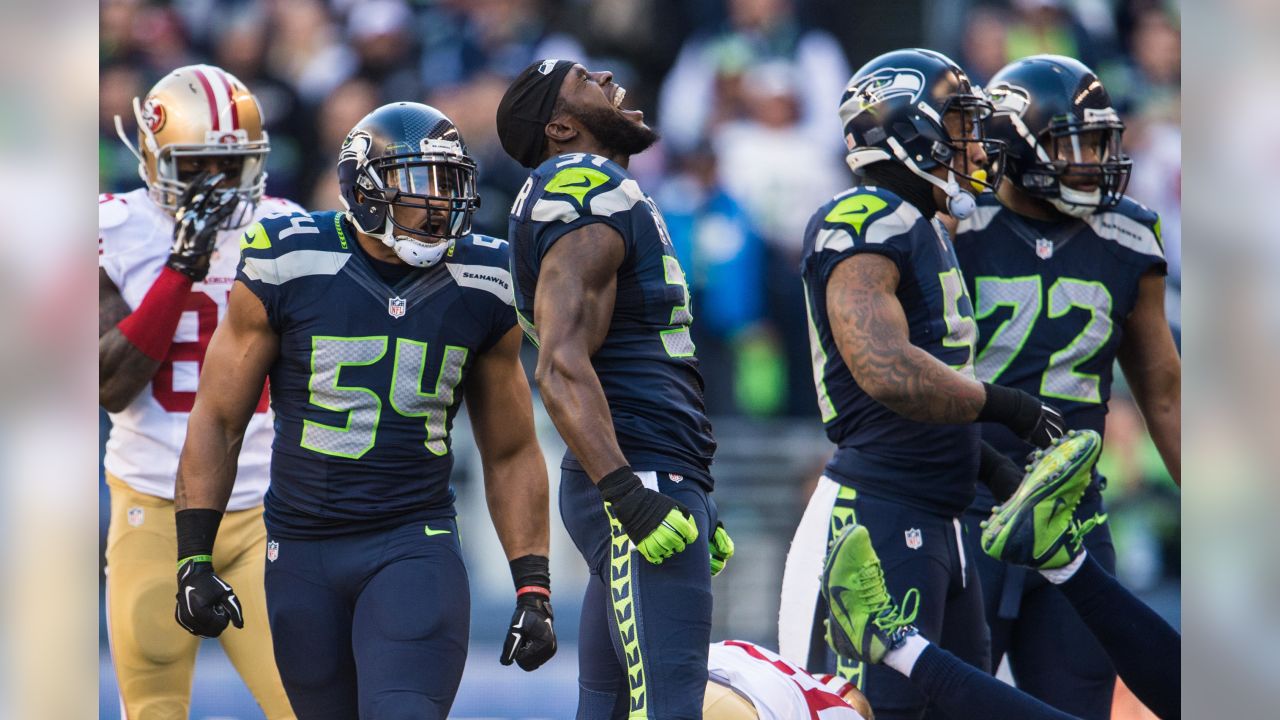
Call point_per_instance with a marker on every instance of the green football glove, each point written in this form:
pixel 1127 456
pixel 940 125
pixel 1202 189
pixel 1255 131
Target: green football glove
pixel 658 526
pixel 721 549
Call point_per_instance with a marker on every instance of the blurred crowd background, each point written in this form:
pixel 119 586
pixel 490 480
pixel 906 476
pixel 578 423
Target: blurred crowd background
pixel 744 93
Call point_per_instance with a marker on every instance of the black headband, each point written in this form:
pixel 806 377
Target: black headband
pixel 526 109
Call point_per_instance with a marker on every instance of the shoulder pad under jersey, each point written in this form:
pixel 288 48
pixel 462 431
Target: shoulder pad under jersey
pixel 863 215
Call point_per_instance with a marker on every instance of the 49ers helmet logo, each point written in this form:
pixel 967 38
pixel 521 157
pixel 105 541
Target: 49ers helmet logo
pixel 154 115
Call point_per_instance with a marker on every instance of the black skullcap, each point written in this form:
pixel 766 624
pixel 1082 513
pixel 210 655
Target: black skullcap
pixel 526 109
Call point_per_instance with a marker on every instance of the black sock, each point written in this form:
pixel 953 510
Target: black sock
pixel 1146 651
pixel 963 691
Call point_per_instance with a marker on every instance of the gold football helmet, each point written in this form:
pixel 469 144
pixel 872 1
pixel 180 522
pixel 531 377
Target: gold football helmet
pixel 200 118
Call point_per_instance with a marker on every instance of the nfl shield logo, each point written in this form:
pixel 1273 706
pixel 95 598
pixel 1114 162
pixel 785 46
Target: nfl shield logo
pixel 396 307
pixel 135 516
pixel 273 550
pixel 914 541
pixel 1044 249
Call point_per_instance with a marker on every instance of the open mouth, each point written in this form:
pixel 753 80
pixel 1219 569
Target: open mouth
pixel 618 94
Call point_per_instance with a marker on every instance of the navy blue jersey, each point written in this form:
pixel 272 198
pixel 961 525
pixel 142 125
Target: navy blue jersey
pixel 931 466
pixel 1051 300
pixel 646 363
pixel 369 376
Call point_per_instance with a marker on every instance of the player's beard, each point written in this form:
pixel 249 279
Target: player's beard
pixel 615 132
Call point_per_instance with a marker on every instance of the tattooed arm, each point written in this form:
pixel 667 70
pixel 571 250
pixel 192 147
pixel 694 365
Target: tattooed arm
pixel 870 328
pixel 123 370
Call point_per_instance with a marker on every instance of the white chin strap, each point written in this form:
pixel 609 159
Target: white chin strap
pixel 1077 203
pixel 960 203
pixel 414 252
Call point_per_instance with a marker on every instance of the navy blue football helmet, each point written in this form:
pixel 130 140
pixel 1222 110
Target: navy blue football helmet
pixel 1061 131
pixel 408 155
pixel 894 109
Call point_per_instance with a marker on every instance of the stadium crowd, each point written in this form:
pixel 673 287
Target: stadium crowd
pixel 743 92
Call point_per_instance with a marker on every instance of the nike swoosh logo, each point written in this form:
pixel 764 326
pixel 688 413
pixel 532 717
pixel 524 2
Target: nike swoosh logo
pixel 427 529
pixel 189 612
pixel 586 182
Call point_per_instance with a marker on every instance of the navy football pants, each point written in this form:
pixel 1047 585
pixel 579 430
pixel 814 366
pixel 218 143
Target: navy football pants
pixel 1052 654
pixel 392 607
pixel 646 629
pixel 918 549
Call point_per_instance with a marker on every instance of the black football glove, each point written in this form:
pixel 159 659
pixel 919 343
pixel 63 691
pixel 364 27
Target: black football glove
pixel 1023 413
pixel 531 639
pixel 202 209
pixel 658 525
pixel 205 603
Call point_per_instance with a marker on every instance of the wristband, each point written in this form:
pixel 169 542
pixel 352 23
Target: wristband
pixel 197 529
pixel 151 326
pixel 618 484
pixel 533 590
pixel 530 572
pixel 1011 407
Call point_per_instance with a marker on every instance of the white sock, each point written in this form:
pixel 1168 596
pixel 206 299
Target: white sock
pixel 903 658
pixel 1057 576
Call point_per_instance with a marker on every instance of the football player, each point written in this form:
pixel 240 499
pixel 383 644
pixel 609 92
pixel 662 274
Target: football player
pixel 373 324
pixel 599 289
pixel 892 335
pixel 1067 276
pixel 167 255
pixel 1038 529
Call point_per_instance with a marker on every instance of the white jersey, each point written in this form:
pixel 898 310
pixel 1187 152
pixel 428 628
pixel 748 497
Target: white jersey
pixel 134 239
pixel 778 689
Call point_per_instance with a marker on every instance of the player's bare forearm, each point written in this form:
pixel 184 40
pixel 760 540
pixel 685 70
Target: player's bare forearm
pixel 1153 370
pixel 573 307
pixel 871 331
pixel 515 473
pixel 235 368
pixel 123 370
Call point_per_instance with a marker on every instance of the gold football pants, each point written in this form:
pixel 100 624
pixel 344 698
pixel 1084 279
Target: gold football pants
pixel 154 657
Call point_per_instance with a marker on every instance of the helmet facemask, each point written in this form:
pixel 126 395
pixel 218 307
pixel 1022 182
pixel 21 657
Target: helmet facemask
pixel 1073 153
pixel 438 182
pixel 960 125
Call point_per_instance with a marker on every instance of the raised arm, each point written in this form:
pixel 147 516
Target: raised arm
pixel 515 484
pixel 573 307
pixel 871 330
pixel 235 368
pixel 1153 370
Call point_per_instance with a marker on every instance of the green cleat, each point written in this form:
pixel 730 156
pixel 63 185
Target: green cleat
pixel 1037 527
pixel 865 622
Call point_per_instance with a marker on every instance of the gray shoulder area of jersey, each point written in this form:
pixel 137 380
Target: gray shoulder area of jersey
pixel 858 223
pixel 294 264
pixel 1127 232
pixel 619 199
pixel 486 278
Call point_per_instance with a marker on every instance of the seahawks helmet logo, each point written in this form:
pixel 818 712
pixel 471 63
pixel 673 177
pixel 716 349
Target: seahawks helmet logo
pixel 887 83
pixel 1006 98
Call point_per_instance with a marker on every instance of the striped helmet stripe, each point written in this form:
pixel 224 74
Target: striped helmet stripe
pixel 208 92
pixel 231 100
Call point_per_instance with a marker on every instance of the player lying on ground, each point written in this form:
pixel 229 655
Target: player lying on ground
pixel 373 325
pixel 167 255
pixel 1035 528
pixel 600 291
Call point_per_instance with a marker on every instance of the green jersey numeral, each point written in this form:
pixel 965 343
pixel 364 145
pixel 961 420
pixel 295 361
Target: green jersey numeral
pixel 363 406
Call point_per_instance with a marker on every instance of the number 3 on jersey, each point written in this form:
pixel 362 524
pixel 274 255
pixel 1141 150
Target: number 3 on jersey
pixel 363 407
